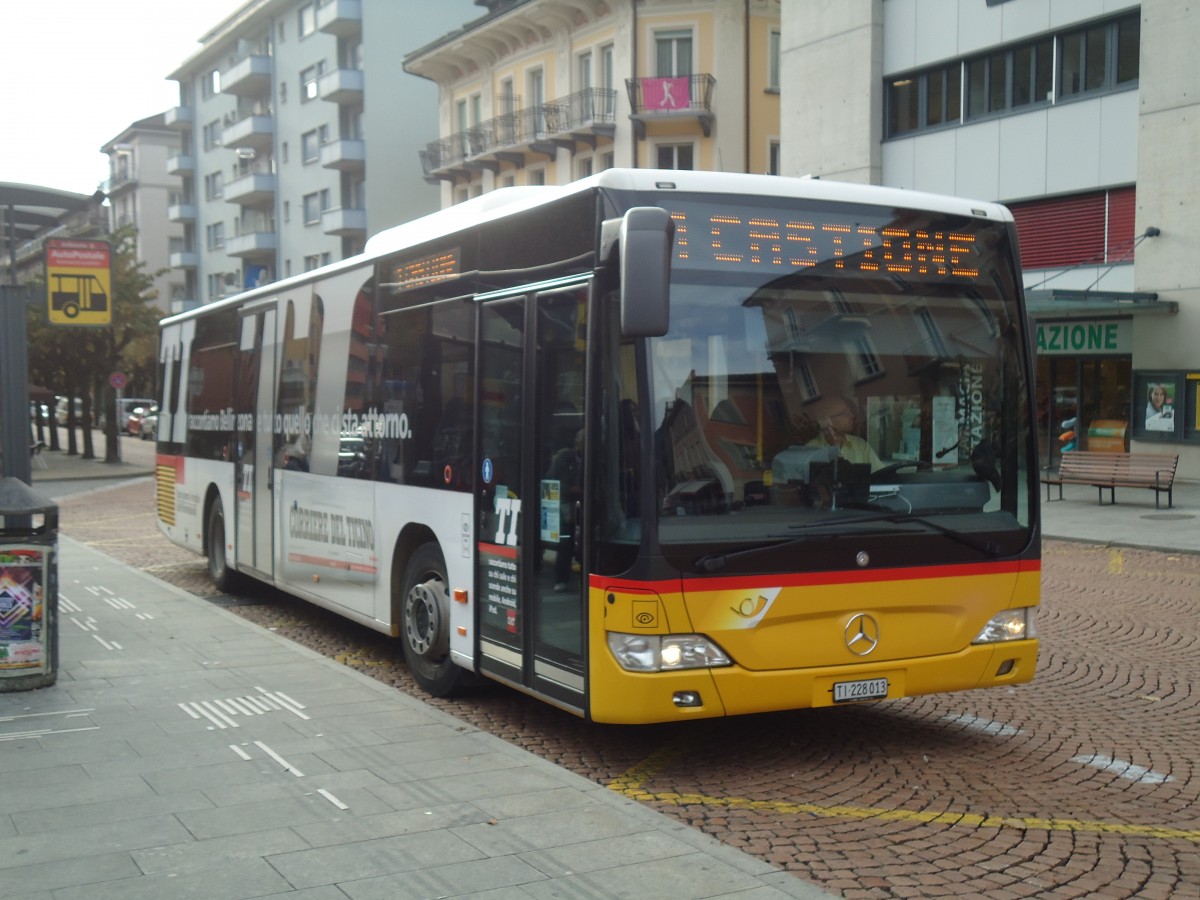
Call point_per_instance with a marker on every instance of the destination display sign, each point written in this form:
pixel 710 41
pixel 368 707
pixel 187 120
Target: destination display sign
pixel 716 238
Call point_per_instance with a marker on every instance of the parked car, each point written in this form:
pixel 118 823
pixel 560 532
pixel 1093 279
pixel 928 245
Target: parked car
pixel 127 406
pixel 133 419
pixel 60 411
pixel 149 425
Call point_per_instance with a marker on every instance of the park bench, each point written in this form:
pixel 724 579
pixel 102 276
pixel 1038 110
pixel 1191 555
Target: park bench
pixel 1105 470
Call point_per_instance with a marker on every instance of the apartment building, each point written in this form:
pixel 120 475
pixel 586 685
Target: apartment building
pixel 548 91
pixel 273 117
pixel 140 192
pixel 1077 114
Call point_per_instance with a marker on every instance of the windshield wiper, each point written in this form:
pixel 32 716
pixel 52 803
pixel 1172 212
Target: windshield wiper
pixel 712 562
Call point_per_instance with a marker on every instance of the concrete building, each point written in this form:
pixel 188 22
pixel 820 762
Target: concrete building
pixel 143 194
pixel 548 91
pixel 1078 114
pixel 274 113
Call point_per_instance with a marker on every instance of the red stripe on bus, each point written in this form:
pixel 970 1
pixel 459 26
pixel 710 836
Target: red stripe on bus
pixel 498 550
pixel 815 579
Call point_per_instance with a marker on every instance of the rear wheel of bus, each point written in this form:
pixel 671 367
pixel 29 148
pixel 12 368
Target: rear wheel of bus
pixel 218 569
pixel 425 619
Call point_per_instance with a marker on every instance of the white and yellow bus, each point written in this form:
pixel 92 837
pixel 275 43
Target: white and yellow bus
pixel 651 446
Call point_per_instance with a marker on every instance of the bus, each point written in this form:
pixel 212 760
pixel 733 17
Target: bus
pixel 650 446
pixel 73 293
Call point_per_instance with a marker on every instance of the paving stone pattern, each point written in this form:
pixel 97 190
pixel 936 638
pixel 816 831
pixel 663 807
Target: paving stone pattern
pixel 1081 784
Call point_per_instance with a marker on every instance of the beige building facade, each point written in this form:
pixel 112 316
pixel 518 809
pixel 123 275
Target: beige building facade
pixel 549 91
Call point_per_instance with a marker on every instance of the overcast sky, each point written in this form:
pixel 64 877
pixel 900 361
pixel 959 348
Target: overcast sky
pixel 76 73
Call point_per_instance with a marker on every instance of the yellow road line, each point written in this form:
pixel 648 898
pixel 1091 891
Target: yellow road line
pixel 630 784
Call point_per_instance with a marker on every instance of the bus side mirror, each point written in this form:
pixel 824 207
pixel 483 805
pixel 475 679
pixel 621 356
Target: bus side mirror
pixel 646 236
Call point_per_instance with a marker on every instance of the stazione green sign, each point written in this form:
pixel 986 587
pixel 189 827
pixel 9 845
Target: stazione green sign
pixel 1085 337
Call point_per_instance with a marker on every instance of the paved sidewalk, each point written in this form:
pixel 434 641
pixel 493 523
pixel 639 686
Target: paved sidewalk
pixel 1132 522
pixel 185 752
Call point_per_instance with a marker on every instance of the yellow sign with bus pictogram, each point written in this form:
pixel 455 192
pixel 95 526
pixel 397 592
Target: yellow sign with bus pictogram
pixel 78 282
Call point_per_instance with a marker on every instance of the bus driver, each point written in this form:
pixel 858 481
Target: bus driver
pixel 838 418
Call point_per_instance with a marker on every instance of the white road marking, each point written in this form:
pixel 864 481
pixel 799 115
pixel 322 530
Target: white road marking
pixel 1124 769
pixel 279 759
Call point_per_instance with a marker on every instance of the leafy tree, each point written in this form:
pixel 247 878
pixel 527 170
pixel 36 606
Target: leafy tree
pixel 80 359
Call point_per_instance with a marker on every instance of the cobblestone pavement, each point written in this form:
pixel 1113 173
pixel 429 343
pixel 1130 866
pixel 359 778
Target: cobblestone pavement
pixel 1081 784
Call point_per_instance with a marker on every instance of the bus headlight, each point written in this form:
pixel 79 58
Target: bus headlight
pixel 1010 625
pixel 665 652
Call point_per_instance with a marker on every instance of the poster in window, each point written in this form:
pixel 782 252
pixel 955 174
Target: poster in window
pixel 1156 412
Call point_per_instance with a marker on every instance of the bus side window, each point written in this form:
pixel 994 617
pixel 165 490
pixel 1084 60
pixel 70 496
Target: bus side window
pixel 426 381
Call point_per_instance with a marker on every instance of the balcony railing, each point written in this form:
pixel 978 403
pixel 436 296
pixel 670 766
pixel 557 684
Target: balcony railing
pixel 249 77
pixel 253 245
pixel 340 17
pixel 671 97
pixel 567 122
pixel 256 132
pixel 342 86
pixel 251 189
pixel 347 154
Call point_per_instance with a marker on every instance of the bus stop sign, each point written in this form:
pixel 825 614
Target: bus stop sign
pixel 78 282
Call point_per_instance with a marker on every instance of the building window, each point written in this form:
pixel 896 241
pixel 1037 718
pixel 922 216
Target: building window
pixel 214 235
pixel 607 80
pixel 315 204
pixel 210 84
pixel 307 19
pixel 1010 79
pixel 773 60
pixel 214 186
pixel 536 82
pixel 924 99
pixel 212 134
pixel 311 143
pixel 311 262
pixel 673 53
pixel 1100 57
pixel 676 156
pixel 773 157
pixel 308 82
pixel 863 358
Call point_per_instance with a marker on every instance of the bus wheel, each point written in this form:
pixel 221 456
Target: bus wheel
pixel 426 620
pixel 218 568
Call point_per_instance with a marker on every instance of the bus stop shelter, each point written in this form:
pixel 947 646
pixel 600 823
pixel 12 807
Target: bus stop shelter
pixel 27 213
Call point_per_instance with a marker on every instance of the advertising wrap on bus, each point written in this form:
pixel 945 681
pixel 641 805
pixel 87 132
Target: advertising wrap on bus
pixel 651 446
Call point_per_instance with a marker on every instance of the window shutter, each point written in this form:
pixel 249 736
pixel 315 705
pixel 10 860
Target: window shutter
pixel 1063 231
pixel 1122 209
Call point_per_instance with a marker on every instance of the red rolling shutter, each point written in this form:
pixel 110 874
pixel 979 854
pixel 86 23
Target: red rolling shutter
pixel 1062 231
pixel 1122 208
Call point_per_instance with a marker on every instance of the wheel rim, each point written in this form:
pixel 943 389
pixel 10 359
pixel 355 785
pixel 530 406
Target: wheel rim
pixel 425 616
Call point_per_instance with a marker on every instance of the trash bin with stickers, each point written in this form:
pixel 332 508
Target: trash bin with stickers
pixel 28 588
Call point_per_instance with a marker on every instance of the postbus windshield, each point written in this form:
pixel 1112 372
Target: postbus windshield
pixel 831 372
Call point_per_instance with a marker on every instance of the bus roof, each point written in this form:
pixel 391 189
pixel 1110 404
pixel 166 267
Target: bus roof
pixel 506 201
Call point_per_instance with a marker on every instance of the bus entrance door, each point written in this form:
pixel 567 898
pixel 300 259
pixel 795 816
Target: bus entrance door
pixel 254 397
pixel 529 498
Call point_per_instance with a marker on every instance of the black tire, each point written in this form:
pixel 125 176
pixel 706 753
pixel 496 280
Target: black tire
pixel 425 623
pixel 218 568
